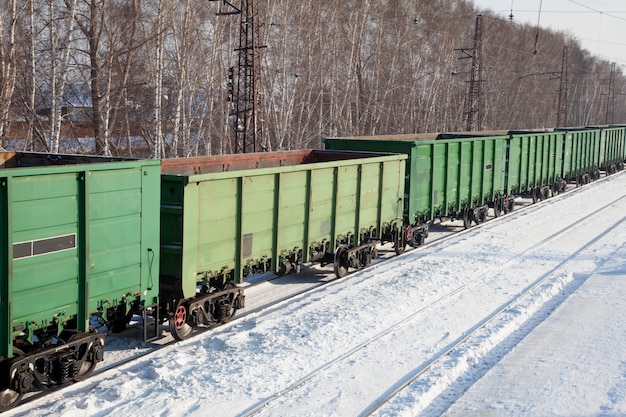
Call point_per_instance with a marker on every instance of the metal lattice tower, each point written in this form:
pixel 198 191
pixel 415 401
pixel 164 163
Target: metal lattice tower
pixel 561 115
pixel 244 83
pixel 610 100
pixel 474 113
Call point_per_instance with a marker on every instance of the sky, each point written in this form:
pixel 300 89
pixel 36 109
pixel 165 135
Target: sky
pixel 599 25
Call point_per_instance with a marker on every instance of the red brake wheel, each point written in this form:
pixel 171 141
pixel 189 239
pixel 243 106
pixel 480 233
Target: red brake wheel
pixel 180 317
pixel 179 327
pixel 408 234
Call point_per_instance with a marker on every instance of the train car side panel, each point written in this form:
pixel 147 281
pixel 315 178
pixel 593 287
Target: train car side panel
pixel 611 151
pixel 45 228
pixel 445 175
pixel 119 221
pixel 320 222
pixel 77 243
pixel 535 161
pixel 231 223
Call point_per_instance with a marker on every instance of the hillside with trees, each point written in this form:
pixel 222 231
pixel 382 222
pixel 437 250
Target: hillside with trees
pixel 150 77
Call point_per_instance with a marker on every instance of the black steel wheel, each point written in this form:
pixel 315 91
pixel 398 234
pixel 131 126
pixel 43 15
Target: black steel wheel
pixel 91 359
pixel 554 189
pixel 85 370
pixel 509 204
pixel 9 398
pixel 467 218
pixel 179 327
pixel 284 268
pixel 481 216
pixel 497 207
pixel 536 195
pixel 228 309
pixel 399 243
pixel 341 262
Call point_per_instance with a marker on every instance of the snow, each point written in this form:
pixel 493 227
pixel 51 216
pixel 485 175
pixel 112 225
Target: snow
pixel 573 363
pixel 519 316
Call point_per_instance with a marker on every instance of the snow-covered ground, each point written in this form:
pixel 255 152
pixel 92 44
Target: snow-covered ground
pixel 520 316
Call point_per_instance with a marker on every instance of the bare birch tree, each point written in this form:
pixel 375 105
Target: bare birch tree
pixel 8 59
pixel 154 74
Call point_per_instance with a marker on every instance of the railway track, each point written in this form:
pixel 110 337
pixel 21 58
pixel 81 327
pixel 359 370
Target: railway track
pixel 441 242
pixel 516 263
pixel 501 315
pixel 169 341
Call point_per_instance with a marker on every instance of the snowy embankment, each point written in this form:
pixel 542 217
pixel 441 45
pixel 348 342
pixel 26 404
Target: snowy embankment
pixel 430 326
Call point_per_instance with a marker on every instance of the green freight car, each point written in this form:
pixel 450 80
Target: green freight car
pixel 612 149
pixel 448 175
pixel 80 242
pixel 589 150
pixel 225 217
pixel 534 163
pixel 581 154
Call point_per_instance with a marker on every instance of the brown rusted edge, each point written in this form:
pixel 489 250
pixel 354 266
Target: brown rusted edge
pixel 237 162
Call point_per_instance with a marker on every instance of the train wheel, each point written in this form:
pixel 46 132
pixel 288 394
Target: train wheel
pixel 91 359
pixel 341 263
pixel 85 371
pixel 497 207
pixel 179 327
pixel 228 309
pixel 8 397
pixel 399 244
pixel 467 218
pixel 509 204
pixel 480 215
pixel 284 268
pixel 554 189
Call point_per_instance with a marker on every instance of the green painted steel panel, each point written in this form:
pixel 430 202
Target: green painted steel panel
pixel 53 214
pixel 592 148
pixel 611 146
pixel 223 225
pixel 534 160
pixel 80 233
pixel 621 144
pixel 443 175
pixel 292 209
pixel 581 152
pixel 321 209
pixel 6 268
pixel 393 144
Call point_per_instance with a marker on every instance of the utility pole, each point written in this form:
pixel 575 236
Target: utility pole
pixel 561 114
pixel 474 101
pixel 610 100
pixel 244 79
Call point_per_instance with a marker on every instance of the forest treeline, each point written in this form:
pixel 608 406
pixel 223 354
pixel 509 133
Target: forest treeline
pixel 150 77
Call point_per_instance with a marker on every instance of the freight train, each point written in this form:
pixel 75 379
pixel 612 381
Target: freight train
pixel 89 242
